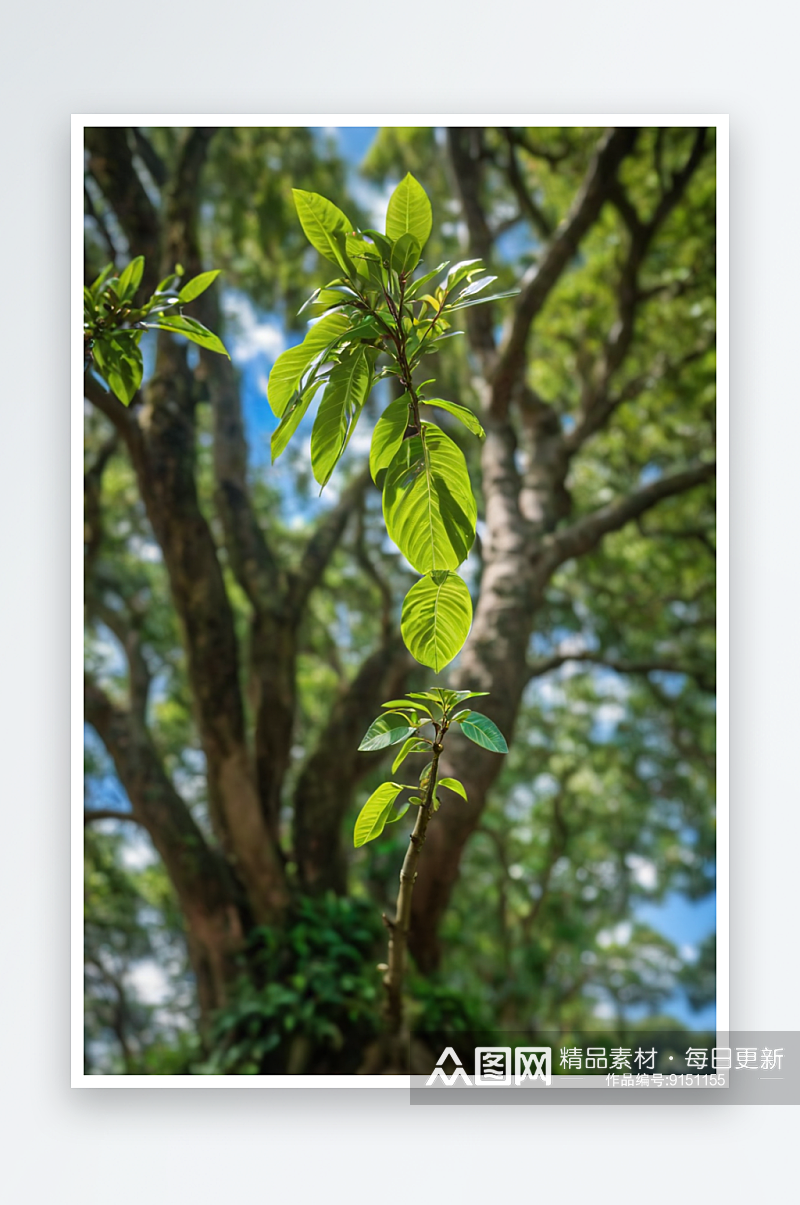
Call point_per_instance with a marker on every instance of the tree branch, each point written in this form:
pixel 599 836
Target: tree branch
pixel 620 665
pixel 150 157
pixel 121 418
pixel 130 639
pixel 112 167
pixel 325 787
pixel 322 544
pixel 540 279
pixel 535 149
pixel 588 531
pixel 528 206
pixel 92 814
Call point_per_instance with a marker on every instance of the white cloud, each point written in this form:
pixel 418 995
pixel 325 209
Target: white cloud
pixel 620 935
pixel 250 335
pixel 643 871
pixel 374 200
pixel 137 852
pixel 149 982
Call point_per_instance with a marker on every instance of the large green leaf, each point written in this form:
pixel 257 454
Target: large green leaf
pixel 405 255
pixel 436 619
pixel 198 285
pixel 388 436
pixel 119 360
pixel 131 278
pixel 375 813
pixel 345 394
pixel 460 412
pixel 409 212
pixel 480 729
pixel 193 330
pixel 322 221
pixel 404 703
pixel 387 730
pixel 288 369
pixel 292 417
pixel 454 785
pixel 412 745
pixel 428 504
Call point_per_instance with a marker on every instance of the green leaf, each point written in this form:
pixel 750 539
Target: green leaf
pixel 119 361
pixel 413 289
pixel 474 286
pixel 461 695
pixel 367 328
pixel 464 305
pixel 193 330
pixel 398 815
pixel 345 394
pixel 480 729
pixel 193 288
pixel 288 369
pixel 388 435
pixel 98 283
pixel 437 614
pixel 462 413
pixel 413 744
pixel 405 255
pixel 387 730
pixel 363 255
pixel 292 417
pixel 382 244
pixel 405 703
pixel 409 212
pixel 454 785
pixel 164 285
pixel 428 504
pixel 131 278
pixel 321 221
pixel 462 271
pixel 375 812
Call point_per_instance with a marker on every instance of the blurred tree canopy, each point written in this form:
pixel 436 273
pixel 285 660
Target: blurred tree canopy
pixel 241 633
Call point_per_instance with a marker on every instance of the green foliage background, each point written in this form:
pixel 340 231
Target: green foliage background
pixel 606 800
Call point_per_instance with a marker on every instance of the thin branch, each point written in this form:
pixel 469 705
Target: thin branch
pixel 620 665
pixel 92 514
pixel 112 408
pixel 541 278
pixel 92 814
pixel 112 167
pixel 527 204
pixel 322 544
pixel 150 157
pixel 600 403
pixel 535 149
pixel 372 571
pixel 130 638
pixel 100 222
pixel 587 532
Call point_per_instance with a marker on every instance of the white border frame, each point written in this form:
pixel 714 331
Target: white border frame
pixel 79 122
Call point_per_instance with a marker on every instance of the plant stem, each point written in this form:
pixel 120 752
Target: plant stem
pixel 398 928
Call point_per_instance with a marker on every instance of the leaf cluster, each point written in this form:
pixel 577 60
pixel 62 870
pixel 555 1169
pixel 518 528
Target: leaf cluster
pixel 113 324
pixel 376 319
pixel 421 721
